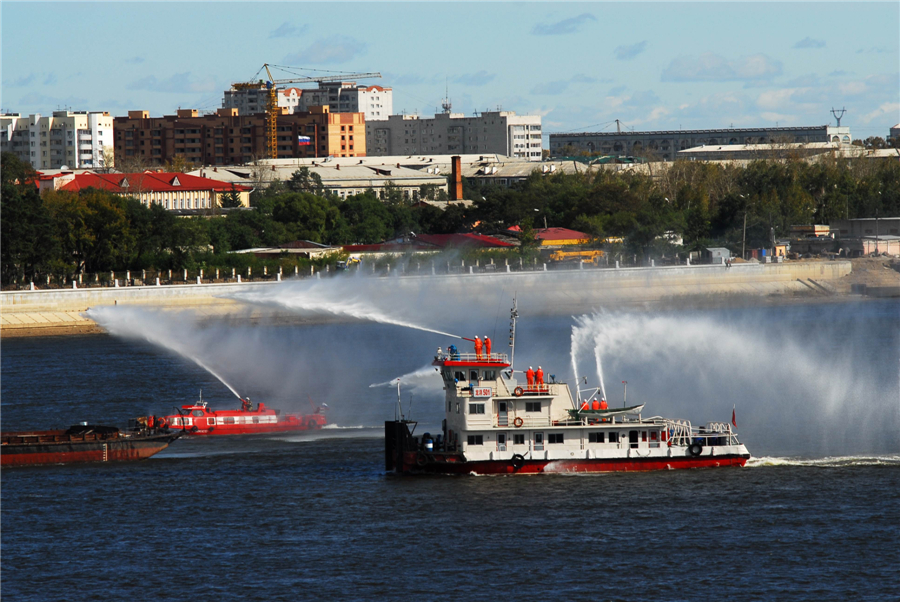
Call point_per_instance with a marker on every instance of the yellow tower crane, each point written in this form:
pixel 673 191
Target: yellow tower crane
pixel 272 109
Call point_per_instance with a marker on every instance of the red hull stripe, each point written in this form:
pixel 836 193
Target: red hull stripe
pixel 559 466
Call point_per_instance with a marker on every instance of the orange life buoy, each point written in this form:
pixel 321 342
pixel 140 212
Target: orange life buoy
pixel 518 422
pixel 518 391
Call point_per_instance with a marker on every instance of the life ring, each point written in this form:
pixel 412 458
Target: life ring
pixel 421 460
pixel 517 461
pixel 161 423
pixel 695 449
pixel 518 391
pixel 518 422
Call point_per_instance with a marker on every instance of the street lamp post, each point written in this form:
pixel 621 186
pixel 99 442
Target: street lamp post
pixel 744 237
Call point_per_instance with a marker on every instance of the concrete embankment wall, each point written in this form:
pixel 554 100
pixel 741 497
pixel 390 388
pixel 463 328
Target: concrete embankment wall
pixel 565 290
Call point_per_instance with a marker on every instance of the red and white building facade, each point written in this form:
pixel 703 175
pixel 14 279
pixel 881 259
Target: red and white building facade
pixel 173 191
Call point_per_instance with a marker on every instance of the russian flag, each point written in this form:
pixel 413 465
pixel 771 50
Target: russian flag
pixel 303 140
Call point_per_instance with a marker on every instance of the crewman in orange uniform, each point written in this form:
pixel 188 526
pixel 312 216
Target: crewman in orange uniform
pixel 603 405
pixel 529 376
pixel 478 346
pixel 539 376
pixel 487 347
pixel 595 405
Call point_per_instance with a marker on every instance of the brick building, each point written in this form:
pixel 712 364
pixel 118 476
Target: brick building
pixel 227 138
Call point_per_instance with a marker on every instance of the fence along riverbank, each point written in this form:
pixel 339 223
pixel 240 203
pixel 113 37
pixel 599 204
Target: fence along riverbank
pixel 56 311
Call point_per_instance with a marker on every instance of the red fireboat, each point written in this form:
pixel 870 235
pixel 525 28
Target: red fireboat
pixel 198 419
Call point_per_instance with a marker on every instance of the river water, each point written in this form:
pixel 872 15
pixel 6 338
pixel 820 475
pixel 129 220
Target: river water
pixel 814 516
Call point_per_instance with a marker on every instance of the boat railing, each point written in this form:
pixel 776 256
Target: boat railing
pixel 483 358
pixel 681 432
pixel 511 420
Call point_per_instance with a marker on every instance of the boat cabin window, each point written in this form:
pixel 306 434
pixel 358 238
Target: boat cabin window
pixel 473 374
pixel 211 421
pixel 538 441
pixel 457 407
pixel 597 437
pixel 501 442
pixel 613 437
pixel 476 408
pixel 459 375
pixel 256 420
pixel 633 438
pixel 490 375
pixel 197 413
pixel 519 439
pixel 448 375
pixel 532 406
pixel 555 438
pixel 228 420
pixel 476 439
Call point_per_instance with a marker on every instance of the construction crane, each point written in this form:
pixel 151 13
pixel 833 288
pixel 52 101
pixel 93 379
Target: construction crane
pixel 272 109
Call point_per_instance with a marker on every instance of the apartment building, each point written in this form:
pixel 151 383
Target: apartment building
pixel 500 132
pixel 664 145
pixel 375 102
pixel 71 139
pixel 228 138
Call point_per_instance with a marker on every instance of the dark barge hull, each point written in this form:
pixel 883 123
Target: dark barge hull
pixel 34 448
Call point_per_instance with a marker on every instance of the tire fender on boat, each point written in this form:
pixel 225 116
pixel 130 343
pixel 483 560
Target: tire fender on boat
pixel 518 391
pixel 194 429
pixel 518 422
pixel 695 449
pixel 517 461
pixel 421 459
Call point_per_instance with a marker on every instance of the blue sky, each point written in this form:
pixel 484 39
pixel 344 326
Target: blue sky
pixel 580 66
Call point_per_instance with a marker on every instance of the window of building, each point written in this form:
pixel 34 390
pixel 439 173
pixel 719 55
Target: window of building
pixel 532 406
pixel 476 408
pixel 476 439
pixel 555 438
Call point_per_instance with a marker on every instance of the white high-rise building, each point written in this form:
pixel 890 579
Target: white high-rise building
pixel 498 132
pixel 376 102
pixel 70 139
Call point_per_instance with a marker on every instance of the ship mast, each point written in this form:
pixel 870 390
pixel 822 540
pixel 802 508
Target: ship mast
pixel 513 314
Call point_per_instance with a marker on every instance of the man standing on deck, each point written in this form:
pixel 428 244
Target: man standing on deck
pixel 477 347
pixel 539 376
pixel 487 347
pixel 529 376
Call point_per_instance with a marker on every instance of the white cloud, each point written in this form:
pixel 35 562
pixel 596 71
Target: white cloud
pixel 889 109
pixel 330 50
pixel 712 67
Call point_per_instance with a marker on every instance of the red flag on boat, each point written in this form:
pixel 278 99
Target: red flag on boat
pixel 733 418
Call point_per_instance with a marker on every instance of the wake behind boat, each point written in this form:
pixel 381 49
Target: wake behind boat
pixel 199 419
pixel 495 424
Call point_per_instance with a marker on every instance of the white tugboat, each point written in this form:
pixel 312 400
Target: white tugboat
pixel 496 424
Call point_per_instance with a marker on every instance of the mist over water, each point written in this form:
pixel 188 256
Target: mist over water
pixel 808 379
pixel 797 382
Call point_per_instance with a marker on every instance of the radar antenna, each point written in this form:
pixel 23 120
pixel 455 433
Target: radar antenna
pixel 838 117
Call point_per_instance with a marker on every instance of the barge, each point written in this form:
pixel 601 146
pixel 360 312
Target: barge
pixel 82 443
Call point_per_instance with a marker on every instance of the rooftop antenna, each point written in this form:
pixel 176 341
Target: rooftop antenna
pixel 446 105
pixel 836 116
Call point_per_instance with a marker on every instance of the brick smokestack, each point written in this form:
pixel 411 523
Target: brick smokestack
pixel 456 191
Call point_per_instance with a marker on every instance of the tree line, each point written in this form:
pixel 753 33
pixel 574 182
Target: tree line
pixel 68 233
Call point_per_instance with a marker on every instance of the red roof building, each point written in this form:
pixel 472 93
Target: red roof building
pixel 552 237
pixel 171 190
pixel 424 243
